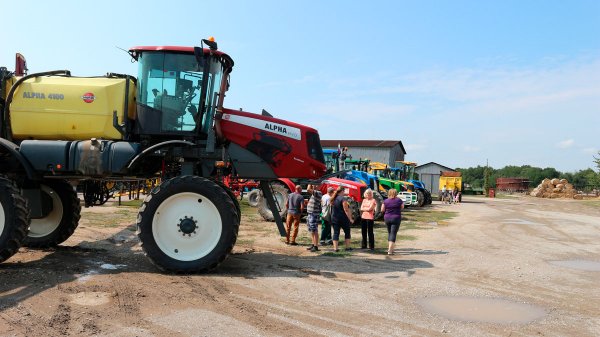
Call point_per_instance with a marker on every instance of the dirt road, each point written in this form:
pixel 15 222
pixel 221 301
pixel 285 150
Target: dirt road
pixel 503 267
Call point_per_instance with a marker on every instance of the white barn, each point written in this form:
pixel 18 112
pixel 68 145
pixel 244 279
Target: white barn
pixel 384 151
pixel 430 174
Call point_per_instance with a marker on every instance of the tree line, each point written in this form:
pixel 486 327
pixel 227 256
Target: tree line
pixel 587 179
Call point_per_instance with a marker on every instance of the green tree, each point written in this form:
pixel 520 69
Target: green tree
pixel 487 173
pixel 597 161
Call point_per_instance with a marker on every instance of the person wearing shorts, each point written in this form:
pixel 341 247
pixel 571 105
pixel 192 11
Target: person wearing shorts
pixel 313 208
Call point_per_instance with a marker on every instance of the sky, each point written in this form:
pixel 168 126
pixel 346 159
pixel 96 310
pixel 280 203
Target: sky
pixel 458 82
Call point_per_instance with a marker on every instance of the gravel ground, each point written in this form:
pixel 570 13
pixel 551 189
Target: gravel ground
pixel 502 267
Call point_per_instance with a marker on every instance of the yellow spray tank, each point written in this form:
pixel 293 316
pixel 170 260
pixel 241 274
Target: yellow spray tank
pixel 69 108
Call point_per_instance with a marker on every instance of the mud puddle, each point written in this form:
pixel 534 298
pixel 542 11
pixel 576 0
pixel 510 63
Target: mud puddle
pixel 578 264
pixel 488 310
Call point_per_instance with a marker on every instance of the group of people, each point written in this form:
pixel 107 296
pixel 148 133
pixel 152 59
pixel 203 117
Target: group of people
pixel 332 211
pixel 450 197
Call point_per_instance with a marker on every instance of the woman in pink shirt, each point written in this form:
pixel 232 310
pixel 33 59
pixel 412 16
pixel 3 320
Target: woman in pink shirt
pixel 367 209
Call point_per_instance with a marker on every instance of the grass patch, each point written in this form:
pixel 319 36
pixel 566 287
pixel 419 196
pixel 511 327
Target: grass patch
pixel 248 242
pixel 108 220
pixel 246 208
pixel 130 203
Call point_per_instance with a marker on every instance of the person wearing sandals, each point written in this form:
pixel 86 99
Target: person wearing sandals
pixel 392 214
pixel 367 215
pixel 340 218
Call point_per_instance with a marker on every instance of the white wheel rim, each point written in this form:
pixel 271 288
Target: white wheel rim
pixel 2 219
pixel 175 243
pixel 49 223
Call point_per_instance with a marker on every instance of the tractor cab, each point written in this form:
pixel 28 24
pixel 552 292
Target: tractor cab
pixel 178 88
pixel 406 169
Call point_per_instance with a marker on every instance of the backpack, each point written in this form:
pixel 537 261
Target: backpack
pixel 326 215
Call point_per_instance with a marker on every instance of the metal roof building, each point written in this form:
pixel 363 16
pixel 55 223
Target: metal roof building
pixel 430 174
pixel 385 151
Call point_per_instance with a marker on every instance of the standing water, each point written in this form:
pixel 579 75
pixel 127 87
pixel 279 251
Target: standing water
pixel 489 310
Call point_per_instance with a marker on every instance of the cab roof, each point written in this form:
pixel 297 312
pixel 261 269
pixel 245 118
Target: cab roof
pixel 180 49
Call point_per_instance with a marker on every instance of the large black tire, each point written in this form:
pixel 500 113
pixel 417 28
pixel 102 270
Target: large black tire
pixel 14 219
pixel 233 198
pixel 188 224
pixel 428 200
pixel 281 193
pixel 379 198
pixel 253 197
pixel 58 225
pixel 420 198
pixel 354 210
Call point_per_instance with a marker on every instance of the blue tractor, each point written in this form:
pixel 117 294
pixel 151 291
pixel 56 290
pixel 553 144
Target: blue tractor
pixel 354 170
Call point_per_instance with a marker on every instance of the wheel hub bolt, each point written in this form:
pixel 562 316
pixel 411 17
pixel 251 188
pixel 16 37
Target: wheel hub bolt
pixel 187 226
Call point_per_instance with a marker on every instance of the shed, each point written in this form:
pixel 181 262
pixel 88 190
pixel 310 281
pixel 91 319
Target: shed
pixel 512 184
pixel 430 173
pixel 384 151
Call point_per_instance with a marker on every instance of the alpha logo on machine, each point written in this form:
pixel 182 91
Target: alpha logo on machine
pixel 280 129
pixel 30 94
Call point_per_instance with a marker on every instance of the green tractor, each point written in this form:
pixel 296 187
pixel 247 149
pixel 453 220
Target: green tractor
pixel 407 173
pixel 389 177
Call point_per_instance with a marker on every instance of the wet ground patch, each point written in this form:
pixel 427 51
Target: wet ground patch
pixel 481 309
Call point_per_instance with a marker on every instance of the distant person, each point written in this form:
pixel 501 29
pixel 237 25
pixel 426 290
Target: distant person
pixel 313 208
pixel 295 205
pixel 326 224
pixel 367 209
pixel 455 195
pixel 392 215
pixel 341 218
pixel 444 193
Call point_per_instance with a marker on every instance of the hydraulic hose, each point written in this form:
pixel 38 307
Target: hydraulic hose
pixel 6 129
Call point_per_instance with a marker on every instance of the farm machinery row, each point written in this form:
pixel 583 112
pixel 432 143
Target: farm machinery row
pixel 60 134
pixel 356 175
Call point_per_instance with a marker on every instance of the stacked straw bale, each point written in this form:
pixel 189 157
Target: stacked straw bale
pixel 555 188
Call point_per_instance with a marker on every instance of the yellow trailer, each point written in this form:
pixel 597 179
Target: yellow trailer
pixel 450 180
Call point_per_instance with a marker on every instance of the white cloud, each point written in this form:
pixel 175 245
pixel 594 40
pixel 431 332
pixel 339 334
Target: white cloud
pixel 565 144
pixel 542 83
pixel 512 109
pixel 360 111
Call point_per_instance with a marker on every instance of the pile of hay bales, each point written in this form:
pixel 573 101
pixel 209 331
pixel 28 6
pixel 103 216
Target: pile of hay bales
pixel 555 188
